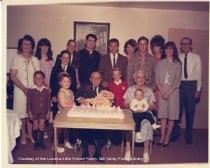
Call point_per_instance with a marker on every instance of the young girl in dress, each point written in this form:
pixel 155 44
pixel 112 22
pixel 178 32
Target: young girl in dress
pixel 44 54
pixel 65 101
pixel 38 108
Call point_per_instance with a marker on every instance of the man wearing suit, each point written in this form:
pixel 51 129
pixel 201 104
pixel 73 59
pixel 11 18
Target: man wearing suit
pixel 111 61
pixel 90 90
pixel 89 59
pixel 106 66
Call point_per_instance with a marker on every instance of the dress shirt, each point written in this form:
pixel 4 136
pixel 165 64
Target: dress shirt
pixel 112 58
pixel 64 67
pixel 193 68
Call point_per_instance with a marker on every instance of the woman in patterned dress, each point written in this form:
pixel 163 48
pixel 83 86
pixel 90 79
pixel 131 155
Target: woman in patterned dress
pixel 168 78
pixel 146 128
pixel 22 69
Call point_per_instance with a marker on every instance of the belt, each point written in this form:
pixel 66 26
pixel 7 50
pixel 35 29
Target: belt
pixel 189 82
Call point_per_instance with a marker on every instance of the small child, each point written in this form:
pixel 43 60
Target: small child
pixel 38 108
pixel 118 87
pixel 139 107
pixel 65 101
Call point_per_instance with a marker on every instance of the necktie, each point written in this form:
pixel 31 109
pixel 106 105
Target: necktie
pixel 185 67
pixel 114 61
pixel 64 69
pixel 95 91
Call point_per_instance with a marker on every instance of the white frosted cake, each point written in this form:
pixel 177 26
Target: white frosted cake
pixel 96 112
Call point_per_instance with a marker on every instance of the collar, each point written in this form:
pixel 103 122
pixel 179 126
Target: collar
pixel 39 89
pixel 118 82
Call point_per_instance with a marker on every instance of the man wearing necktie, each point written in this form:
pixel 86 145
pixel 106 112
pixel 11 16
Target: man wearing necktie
pixel 190 87
pixel 113 60
pixel 86 91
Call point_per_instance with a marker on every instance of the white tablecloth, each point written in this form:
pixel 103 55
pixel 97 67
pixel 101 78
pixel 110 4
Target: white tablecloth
pixel 13 126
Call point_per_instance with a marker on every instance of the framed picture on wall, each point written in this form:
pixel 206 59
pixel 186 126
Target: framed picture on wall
pixel 101 30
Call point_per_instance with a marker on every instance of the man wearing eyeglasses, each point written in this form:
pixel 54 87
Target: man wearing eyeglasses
pixel 190 87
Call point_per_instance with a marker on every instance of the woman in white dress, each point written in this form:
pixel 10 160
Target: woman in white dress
pixel 22 69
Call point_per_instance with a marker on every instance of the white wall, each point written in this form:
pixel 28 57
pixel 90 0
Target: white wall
pixel 56 22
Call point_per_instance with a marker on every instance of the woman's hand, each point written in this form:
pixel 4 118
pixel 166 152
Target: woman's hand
pixel 48 115
pixel 30 115
pixel 25 91
pixel 166 95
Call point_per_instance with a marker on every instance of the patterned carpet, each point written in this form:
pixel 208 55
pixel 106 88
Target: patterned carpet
pixel 176 152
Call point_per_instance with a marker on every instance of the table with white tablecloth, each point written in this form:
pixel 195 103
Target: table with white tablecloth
pixel 13 126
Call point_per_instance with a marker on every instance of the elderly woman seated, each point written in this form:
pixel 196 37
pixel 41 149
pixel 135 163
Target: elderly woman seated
pixel 146 128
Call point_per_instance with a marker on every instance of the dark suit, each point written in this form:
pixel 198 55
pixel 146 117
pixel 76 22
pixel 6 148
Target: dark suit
pixel 88 63
pixel 90 135
pixel 105 67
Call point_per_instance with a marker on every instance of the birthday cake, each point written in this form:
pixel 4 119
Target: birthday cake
pixel 102 111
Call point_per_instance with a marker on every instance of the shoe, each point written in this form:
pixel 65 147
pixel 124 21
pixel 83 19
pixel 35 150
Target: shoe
pixel 128 156
pixel 42 145
pixel 30 138
pixel 159 143
pixel 146 157
pixel 36 146
pixel 45 135
pixel 165 145
pixel 85 156
pixel 60 149
pixel 108 145
pixel 98 157
pixel 77 146
pixel 155 126
pixel 188 141
pixel 23 142
pixel 68 145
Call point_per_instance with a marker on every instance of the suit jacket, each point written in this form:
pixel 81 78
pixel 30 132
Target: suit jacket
pixel 105 67
pixel 54 83
pixel 86 90
pixel 88 63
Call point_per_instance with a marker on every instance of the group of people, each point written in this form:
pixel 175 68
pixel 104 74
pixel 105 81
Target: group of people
pixel 164 83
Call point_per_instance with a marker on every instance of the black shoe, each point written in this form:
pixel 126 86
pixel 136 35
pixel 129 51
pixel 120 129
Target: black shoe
pixel 188 141
pixel 85 156
pixel 98 157
pixel 36 146
pixel 165 145
pixel 42 145
pixel 159 143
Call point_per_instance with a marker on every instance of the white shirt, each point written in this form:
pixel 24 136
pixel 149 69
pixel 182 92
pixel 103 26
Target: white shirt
pixel 112 56
pixel 64 67
pixel 118 82
pixel 193 68
pixel 137 104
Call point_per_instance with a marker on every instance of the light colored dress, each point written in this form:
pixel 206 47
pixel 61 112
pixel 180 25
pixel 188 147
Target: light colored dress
pixel 25 71
pixel 168 75
pixel 146 128
pixel 69 98
pixel 46 67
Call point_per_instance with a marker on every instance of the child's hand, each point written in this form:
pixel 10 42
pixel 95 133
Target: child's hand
pixel 140 110
pixel 30 115
pixel 48 116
